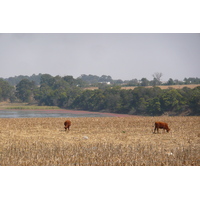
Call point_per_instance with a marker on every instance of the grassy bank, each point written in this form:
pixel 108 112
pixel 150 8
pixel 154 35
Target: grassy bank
pixel 99 142
pixel 33 107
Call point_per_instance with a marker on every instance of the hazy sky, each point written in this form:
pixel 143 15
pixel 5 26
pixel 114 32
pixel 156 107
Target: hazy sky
pixel 122 56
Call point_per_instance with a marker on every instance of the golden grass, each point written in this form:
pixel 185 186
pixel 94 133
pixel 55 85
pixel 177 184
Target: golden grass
pixel 166 86
pixel 160 86
pixel 108 141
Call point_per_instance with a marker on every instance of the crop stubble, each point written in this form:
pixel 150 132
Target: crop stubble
pixel 103 141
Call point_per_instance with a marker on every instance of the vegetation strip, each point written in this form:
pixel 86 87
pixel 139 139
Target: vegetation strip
pixel 66 92
pixel 33 107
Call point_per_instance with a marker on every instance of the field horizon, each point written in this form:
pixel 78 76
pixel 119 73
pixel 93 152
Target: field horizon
pixel 191 86
pixel 99 141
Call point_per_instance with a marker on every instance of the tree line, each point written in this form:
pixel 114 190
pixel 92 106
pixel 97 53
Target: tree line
pixel 94 80
pixel 67 92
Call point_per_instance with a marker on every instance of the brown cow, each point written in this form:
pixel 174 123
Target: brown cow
pixel 67 124
pixel 161 125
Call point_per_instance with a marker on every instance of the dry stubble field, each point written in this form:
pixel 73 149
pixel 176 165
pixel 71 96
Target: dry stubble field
pixel 191 86
pixel 104 141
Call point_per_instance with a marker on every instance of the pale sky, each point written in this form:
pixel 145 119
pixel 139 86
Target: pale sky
pixel 122 56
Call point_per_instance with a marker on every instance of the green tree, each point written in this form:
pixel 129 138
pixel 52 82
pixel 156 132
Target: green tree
pixel 154 106
pixel 133 82
pixel 82 101
pixel 47 79
pixel 25 90
pixel 70 80
pixel 170 82
pixel 67 97
pixel 6 91
pixel 172 100
pixel 112 99
pixel 144 82
pixel 45 95
pixel 194 101
pixel 124 105
pixel 141 106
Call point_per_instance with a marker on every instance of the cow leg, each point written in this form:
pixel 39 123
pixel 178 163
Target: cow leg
pixel 67 127
pixel 155 129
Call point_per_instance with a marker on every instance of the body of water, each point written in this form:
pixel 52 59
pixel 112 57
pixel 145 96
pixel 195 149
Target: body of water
pixel 7 113
pixel 46 113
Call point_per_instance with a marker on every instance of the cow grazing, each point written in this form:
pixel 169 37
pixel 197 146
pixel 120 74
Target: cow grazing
pixel 67 124
pixel 161 125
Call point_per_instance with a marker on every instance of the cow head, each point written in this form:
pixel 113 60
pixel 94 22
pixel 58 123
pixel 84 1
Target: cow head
pixel 168 129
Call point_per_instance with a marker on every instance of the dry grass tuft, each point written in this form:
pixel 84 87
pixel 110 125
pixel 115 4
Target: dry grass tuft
pixel 109 141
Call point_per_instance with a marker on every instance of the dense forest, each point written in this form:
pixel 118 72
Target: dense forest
pixel 70 93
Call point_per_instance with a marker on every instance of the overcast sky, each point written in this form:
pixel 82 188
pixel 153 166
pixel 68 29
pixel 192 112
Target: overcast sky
pixel 122 56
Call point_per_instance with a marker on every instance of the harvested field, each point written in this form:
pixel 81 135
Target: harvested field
pixel 105 141
pixel 191 86
pixel 166 86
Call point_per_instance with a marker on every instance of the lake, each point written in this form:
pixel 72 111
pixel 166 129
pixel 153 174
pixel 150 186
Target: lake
pixel 13 113
pixel 45 113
